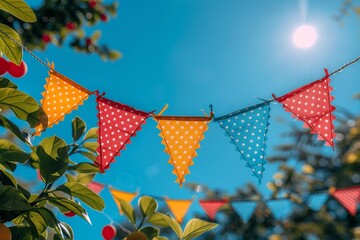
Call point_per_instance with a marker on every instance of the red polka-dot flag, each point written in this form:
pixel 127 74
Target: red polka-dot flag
pixel 348 197
pixel 61 97
pixel 117 124
pixel 312 105
pixel 181 137
pixel 211 207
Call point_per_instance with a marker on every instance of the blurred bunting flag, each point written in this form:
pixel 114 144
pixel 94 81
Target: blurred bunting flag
pixel 212 206
pixel 61 96
pixel 247 130
pixel 96 187
pixel 245 209
pixel 181 137
pixel 316 200
pixel 280 208
pixel 348 197
pixel 312 105
pixel 179 208
pixel 125 196
pixel 117 124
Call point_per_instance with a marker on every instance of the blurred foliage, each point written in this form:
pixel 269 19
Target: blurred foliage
pixel 66 22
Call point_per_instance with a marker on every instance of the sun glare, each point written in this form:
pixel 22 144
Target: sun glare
pixel 304 36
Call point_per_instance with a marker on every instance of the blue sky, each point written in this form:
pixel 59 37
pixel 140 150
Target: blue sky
pixel 190 54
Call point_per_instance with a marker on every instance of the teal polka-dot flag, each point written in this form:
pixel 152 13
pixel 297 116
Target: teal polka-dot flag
pixel 280 208
pixel 317 200
pixel 247 129
pixel 245 209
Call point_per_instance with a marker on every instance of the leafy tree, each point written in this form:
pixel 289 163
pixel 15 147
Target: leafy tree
pixel 30 215
pixel 59 23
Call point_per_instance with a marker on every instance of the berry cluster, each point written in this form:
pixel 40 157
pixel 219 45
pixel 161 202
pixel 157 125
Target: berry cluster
pixel 13 69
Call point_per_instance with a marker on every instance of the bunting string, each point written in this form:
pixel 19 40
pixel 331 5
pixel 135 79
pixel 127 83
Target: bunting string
pixel 247 128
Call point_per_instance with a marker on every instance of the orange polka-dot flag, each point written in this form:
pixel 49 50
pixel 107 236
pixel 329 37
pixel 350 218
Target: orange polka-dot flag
pixel 125 196
pixel 61 96
pixel 117 124
pixel 312 105
pixel 211 207
pixel 348 198
pixel 179 208
pixel 181 137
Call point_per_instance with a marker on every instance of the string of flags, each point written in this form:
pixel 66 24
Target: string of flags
pixel 281 208
pixel 247 128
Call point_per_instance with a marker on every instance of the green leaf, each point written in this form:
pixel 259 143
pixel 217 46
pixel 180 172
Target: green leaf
pixel 53 155
pixel 150 232
pixel 19 9
pixel 7 179
pixel 91 134
pixel 147 206
pixel 78 128
pixel 12 199
pixel 6 123
pixel 70 178
pixel 69 205
pixel 83 193
pixel 6 83
pixel 196 227
pixel 7 46
pixel 38 221
pixel 162 220
pixel 20 103
pixel 9 152
pixel 84 167
pixel 21 232
pixel 160 238
pixel 128 210
pixel 9 165
pixel 91 146
pixel 88 155
pixel 85 178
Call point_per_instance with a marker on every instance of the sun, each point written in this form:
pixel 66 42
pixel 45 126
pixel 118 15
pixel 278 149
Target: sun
pixel 304 36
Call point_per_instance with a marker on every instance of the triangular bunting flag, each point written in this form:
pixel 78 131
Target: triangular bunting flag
pixel 126 196
pixel 179 208
pixel 181 137
pixel 317 200
pixel 348 197
pixel 245 209
pixel 247 129
pixel 96 187
pixel 61 97
pixel 212 206
pixel 280 208
pixel 117 124
pixel 312 105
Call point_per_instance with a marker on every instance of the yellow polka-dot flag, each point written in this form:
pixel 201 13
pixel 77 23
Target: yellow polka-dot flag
pixel 61 96
pixel 181 137
pixel 126 196
pixel 179 208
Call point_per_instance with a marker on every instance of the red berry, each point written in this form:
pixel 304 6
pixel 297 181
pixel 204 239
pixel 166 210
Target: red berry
pixel 70 25
pixel 103 17
pixel 88 41
pixel 109 232
pixel 4 66
pixel 92 3
pixel 69 214
pixel 46 38
pixel 17 71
